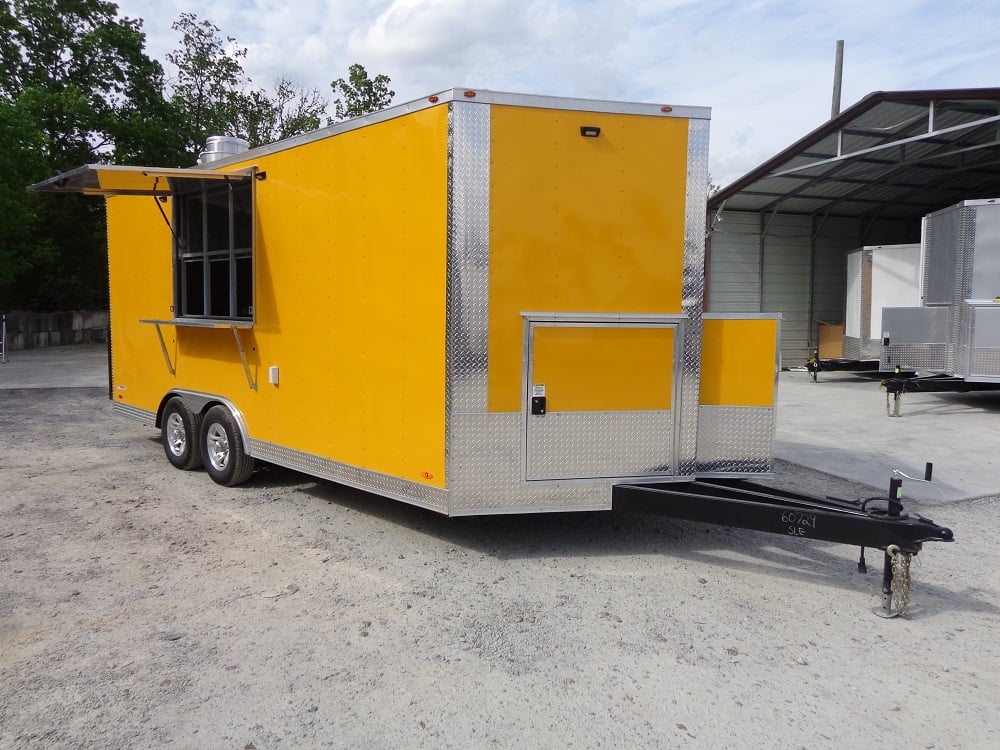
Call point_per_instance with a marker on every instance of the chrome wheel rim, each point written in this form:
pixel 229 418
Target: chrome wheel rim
pixel 176 435
pixel 218 447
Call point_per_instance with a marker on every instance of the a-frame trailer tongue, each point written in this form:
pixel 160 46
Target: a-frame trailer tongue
pixel 877 522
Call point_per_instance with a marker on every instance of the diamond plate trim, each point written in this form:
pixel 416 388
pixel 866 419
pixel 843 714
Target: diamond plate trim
pixel 735 440
pixel 578 445
pixel 364 479
pixel 866 301
pixel 852 347
pixel 920 357
pixel 927 243
pixel 147 418
pixel 473 456
pixel 693 285
pixel 468 257
pixel 486 476
pixel 943 238
pixel 985 363
pixel 960 354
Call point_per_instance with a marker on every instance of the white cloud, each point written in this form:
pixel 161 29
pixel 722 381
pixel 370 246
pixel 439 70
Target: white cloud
pixel 764 66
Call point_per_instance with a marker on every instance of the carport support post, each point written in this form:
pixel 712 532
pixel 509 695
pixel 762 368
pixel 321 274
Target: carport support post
pixel 895 508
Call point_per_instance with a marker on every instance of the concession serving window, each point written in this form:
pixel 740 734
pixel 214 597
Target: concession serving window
pixel 211 225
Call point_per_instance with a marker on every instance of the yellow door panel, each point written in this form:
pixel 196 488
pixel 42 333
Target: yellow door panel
pixel 588 368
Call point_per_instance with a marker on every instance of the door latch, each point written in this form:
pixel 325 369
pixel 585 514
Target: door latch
pixel 538 405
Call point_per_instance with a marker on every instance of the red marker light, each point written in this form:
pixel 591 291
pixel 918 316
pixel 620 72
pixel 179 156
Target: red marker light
pixel 432 99
pixel 666 109
pixel 470 94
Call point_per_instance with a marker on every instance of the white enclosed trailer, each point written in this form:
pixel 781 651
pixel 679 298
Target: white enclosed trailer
pixel 956 331
pixel 878 276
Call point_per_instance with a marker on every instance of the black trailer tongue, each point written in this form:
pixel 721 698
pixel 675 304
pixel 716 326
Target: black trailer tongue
pixel 876 522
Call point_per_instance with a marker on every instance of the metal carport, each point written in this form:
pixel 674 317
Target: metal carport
pixel 778 236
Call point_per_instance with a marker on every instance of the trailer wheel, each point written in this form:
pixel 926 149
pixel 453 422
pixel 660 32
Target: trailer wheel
pixel 222 448
pixel 180 429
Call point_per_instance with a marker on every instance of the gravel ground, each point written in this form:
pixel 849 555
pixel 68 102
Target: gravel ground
pixel 141 606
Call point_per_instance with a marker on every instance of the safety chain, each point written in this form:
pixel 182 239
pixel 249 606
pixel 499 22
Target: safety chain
pixel 901 580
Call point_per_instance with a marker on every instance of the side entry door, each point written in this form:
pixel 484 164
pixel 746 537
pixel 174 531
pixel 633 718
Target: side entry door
pixel 601 397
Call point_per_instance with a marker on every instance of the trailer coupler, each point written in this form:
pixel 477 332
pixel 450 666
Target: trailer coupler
pixel 746 505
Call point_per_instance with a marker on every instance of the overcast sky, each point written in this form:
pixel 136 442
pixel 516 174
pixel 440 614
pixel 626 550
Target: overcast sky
pixel 765 67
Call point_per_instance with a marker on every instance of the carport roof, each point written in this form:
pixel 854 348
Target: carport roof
pixel 894 154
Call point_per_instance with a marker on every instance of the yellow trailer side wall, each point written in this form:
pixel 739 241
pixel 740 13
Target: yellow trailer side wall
pixel 350 281
pixel 739 362
pixel 580 224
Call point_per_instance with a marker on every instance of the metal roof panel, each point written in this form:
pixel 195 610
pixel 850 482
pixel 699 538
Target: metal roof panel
pixel 893 153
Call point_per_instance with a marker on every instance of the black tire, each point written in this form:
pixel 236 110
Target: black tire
pixel 180 429
pixel 222 450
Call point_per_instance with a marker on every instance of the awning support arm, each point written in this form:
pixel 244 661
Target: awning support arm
pixel 156 200
pixel 163 348
pixel 243 359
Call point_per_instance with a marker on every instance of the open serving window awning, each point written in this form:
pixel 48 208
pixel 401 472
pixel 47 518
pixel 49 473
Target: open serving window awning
pixel 894 154
pixel 108 179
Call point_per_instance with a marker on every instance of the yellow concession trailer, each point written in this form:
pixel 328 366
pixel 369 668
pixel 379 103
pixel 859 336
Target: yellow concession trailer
pixel 476 302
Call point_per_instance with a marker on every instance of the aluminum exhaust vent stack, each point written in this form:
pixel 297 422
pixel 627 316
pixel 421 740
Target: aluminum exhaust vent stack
pixel 220 146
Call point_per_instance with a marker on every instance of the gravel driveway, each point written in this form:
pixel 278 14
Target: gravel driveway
pixel 141 606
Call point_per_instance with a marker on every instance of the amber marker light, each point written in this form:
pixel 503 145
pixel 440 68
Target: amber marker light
pixel 427 475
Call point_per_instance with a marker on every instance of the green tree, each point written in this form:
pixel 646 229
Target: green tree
pixel 75 68
pixel 360 95
pixel 209 84
pixel 71 72
pixel 263 118
pixel 23 252
pixel 211 94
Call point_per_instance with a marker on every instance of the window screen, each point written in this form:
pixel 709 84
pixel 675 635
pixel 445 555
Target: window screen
pixel 213 256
